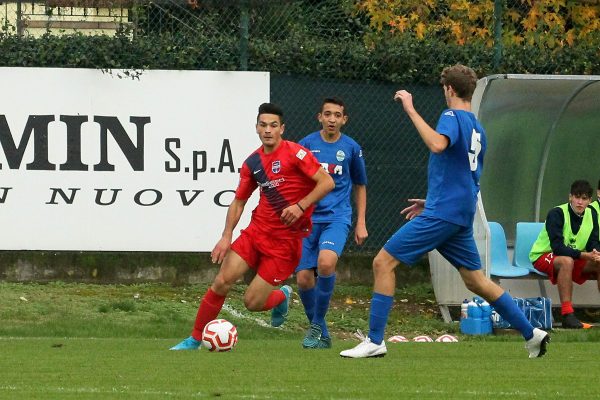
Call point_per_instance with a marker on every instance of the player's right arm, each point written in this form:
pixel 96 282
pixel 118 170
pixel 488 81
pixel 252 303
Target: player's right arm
pixel 416 208
pixel 434 141
pixel 243 192
pixel 234 213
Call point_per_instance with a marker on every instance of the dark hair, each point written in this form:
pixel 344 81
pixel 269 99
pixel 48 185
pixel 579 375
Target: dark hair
pixel 334 100
pixel 461 78
pixel 598 185
pixel 270 108
pixel 581 187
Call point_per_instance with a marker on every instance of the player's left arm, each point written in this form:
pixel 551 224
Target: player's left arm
pixel 358 174
pixel 324 185
pixel 360 201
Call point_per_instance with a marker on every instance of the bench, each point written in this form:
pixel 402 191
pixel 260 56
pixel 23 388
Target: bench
pixel 526 235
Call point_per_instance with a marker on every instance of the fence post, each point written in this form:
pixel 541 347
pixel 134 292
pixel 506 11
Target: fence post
pixel 244 35
pixel 497 32
pixel 19 19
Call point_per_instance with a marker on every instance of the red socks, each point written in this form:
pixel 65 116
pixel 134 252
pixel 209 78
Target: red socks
pixel 275 298
pixel 209 309
pixel 566 308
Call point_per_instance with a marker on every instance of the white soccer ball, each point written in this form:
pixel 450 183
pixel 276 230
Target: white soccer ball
pixel 219 335
pixel 447 339
pixel 397 339
pixel 422 339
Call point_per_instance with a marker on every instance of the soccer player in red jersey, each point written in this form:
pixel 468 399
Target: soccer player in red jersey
pixel 291 181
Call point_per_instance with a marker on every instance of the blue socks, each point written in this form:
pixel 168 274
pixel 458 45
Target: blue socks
pixel 324 290
pixel 506 307
pixel 308 301
pixel 380 310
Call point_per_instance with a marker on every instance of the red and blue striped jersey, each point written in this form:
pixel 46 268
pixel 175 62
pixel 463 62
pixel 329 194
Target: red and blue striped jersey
pixel 284 177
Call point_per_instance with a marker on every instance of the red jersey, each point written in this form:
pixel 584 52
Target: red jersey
pixel 284 178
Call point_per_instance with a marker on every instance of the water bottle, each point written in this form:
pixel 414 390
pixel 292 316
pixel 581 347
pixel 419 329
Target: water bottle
pixel 463 309
pixel 486 316
pixel 486 310
pixel 473 310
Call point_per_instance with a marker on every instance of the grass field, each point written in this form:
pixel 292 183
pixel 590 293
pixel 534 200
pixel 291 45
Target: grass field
pixel 74 341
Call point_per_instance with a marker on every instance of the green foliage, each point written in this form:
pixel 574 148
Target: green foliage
pixel 398 58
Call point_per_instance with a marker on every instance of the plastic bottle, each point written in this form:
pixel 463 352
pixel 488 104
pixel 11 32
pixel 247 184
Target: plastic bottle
pixel 486 317
pixel 464 309
pixel 473 310
pixel 486 310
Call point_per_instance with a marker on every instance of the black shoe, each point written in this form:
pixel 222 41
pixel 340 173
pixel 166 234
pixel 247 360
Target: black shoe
pixel 570 321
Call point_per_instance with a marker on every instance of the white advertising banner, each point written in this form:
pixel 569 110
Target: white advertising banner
pixel 117 161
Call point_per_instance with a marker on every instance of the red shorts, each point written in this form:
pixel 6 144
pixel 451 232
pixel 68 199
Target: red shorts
pixel 546 264
pixel 273 259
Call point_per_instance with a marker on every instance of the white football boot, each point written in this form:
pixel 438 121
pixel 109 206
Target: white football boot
pixel 365 348
pixel 537 344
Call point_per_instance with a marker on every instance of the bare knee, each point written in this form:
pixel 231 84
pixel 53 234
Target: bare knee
pixel 305 279
pixel 383 264
pixel 564 264
pixel 252 303
pixel 327 262
pixel 221 285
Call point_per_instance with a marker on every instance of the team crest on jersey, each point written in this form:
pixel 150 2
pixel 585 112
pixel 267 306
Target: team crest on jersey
pixel 300 154
pixel 449 113
pixel 276 166
pixel 340 155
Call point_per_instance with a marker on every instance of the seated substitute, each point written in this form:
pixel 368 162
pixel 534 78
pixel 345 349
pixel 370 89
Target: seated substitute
pixel 596 206
pixel 567 249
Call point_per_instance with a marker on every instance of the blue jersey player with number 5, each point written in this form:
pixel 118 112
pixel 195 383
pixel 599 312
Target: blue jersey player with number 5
pixel 444 220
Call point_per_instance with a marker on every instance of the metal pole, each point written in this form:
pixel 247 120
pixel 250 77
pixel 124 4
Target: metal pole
pixel 244 34
pixel 19 19
pixel 498 8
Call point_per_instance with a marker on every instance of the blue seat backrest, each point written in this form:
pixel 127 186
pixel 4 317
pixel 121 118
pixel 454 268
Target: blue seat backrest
pixel 498 249
pixel 527 233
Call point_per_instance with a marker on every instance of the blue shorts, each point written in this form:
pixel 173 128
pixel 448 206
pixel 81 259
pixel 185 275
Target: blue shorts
pixel 324 236
pixel 424 234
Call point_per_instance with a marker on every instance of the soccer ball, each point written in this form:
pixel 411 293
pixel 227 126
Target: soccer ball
pixel 219 335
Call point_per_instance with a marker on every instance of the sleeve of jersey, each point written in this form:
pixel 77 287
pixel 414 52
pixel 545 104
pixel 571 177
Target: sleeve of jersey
pixel 303 142
pixel 448 126
pixel 247 184
pixel 593 242
pixel 358 170
pixel 307 162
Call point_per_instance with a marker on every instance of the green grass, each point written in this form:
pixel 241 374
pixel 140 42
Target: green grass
pixel 87 368
pixel 75 341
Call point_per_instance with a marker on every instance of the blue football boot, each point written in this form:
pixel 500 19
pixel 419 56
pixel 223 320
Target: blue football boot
pixel 279 313
pixel 187 344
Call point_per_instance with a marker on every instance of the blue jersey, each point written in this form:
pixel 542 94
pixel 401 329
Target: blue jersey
pixel 453 175
pixel 346 165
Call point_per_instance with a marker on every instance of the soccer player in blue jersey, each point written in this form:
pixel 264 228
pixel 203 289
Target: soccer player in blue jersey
pixel 342 158
pixel 444 220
